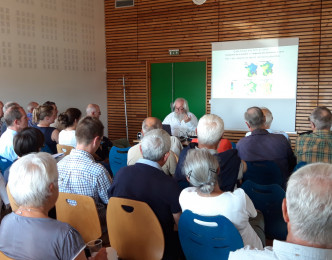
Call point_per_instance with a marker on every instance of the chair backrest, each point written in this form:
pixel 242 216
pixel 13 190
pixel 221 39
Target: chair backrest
pixel 118 158
pixel 83 216
pixel 134 230
pixel 207 237
pixel 3 256
pixel 12 202
pixel 268 199
pixel 61 148
pixel 4 164
pixel 299 165
pixel 264 173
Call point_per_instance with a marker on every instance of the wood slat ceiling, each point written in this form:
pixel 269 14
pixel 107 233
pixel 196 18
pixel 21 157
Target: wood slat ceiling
pixel 139 35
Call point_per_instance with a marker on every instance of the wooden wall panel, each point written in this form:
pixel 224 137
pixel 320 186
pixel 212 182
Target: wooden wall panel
pixel 139 35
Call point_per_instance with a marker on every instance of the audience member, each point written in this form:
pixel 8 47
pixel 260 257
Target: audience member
pixel 316 146
pixel 261 145
pixel 44 116
pixel 29 140
pixel 182 121
pixel 210 130
pixel 134 153
pixel 69 120
pixel 207 199
pixel 79 173
pixel 6 106
pixel 31 106
pixel 51 103
pixel 3 194
pixel 102 152
pixel 28 233
pixel 145 181
pixel 16 121
pixel 1 115
pixel 268 121
pixel 307 211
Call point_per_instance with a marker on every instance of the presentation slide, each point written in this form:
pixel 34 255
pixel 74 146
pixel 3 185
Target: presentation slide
pixel 255 73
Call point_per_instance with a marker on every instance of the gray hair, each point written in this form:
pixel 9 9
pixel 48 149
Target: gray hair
pixel 151 123
pixel 8 105
pixel 13 113
pixel 201 168
pixel 309 203
pixel 321 117
pixel 254 117
pixel 268 116
pixel 30 178
pixel 210 129
pixel 91 108
pixel 155 144
pixel 185 104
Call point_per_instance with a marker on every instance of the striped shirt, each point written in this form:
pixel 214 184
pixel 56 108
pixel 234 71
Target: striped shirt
pixel 314 147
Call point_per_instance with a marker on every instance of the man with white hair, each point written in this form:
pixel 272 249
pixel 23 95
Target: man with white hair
pixel 134 153
pixel 181 120
pixel 261 145
pixel 145 181
pixel 307 210
pixel 210 130
pixel 317 145
pixel 16 120
pixel 268 121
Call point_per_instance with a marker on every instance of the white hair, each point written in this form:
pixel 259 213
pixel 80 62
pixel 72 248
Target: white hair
pixel 210 129
pixel 30 178
pixel 155 144
pixel 185 104
pixel 268 116
pixel 201 168
pixel 309 203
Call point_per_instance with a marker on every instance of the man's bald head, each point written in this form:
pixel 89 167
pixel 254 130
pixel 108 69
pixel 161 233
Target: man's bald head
pixel 255 118
pixel 151 123
pixel 93 110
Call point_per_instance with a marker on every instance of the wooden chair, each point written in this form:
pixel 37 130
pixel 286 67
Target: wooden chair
pixel 83 216
pixel 4 257
pixel 11 200
pixel 134 230
pixel 64 148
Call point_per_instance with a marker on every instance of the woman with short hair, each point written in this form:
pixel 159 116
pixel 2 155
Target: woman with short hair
pixel 28 233
pixel 207 199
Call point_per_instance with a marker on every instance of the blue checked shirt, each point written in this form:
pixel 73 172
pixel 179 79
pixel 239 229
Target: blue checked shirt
pixel 80 174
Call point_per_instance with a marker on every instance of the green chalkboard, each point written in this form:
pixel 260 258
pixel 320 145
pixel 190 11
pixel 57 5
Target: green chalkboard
pixel 188 80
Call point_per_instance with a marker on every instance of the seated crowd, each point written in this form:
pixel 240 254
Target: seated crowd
pixel 203 176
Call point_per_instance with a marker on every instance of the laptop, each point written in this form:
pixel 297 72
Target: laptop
pixel 167 128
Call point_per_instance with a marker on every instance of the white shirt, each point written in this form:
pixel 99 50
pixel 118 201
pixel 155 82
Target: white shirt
pixel 273 132
pixel 7 146
pixel 282 251
pixel 67 137
pixel 236 206
pixel 181 128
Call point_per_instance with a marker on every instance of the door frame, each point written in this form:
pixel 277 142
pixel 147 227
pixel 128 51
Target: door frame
pixel 148 78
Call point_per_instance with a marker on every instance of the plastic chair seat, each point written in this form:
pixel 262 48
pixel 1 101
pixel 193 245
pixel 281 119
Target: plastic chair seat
pixel 268 199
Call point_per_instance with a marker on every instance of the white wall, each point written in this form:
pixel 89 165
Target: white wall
pixel 53 50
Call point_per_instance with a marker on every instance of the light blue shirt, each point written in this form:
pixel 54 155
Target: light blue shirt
pixel 151 163
pixel 7 146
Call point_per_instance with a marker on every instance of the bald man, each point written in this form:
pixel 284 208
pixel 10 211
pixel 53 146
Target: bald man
pixel 134 153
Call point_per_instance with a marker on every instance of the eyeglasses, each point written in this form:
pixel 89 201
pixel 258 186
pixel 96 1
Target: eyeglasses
pixel 178 108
